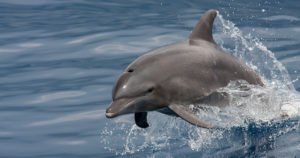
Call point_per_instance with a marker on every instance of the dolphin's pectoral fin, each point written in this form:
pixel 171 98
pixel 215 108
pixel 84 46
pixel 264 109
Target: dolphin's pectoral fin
pixel 141 119
pixel 203 29
pixel 188 116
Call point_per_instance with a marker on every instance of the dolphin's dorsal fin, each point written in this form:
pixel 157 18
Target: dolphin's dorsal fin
pixel 203 29
pixel 188 116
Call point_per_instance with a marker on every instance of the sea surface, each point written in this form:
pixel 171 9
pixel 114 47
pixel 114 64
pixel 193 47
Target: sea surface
pixel 59 60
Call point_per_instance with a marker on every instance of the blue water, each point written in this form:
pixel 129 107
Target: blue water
pixel 59 61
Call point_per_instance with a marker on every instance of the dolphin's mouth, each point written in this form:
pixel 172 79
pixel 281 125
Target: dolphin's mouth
pixel 110 115
pixel 120 107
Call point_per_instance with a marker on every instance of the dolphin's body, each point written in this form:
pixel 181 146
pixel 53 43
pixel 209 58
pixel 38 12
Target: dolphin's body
pixel 169 78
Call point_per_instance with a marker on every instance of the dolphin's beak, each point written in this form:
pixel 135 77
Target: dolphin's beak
pixel 109 114
pixel 120 107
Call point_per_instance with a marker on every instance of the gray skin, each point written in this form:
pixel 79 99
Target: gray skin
pixel 170 78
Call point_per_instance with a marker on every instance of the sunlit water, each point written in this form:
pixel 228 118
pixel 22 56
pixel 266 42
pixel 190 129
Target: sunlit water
pixel 59 60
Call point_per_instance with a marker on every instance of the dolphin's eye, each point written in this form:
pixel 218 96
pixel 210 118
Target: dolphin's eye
pixel 150 90
pixel 130 70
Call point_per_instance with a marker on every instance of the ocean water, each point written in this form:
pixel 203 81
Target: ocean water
pixel 60 59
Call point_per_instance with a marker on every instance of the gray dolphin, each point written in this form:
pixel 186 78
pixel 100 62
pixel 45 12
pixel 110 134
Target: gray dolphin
pixel 170 78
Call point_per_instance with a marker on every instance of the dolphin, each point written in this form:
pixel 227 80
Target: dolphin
pixel 170 78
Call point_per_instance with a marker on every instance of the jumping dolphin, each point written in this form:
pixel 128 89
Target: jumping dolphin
pixel 170 78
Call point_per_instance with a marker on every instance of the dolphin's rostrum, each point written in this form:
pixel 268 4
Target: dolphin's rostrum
pixel 169 78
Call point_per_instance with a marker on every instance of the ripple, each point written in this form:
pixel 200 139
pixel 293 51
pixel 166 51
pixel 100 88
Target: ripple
pixel 30 2
pixel 118 49
pixel 281 17
pixel 9 50
pixel 292 59
pixel 95 114
pixel 88 38
pixel 296 29
pixel 5 134
pixel 72 142
pixel 59 73
pixel 57 95
pixel 30 45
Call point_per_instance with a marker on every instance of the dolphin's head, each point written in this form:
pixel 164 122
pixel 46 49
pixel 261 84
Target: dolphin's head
pixel 134 92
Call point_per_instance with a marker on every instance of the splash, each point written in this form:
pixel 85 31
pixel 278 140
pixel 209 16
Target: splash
pixel 252 108
pixel 251 50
